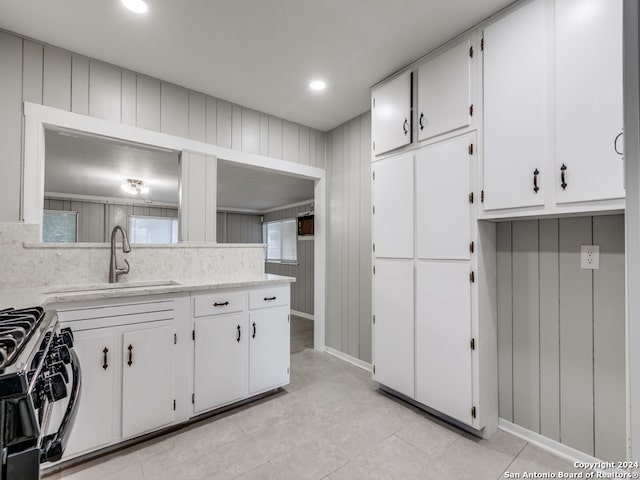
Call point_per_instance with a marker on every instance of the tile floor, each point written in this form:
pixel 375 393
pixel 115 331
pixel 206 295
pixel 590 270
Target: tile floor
pixel 330 423
pixel 301 334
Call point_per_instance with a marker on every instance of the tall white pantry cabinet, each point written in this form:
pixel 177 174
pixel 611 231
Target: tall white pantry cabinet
pixel 515 118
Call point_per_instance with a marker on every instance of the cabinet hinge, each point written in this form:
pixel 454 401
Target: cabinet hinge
pixel 471 51
pixel 473 412
pixel 288 318
pixel 473 344
pixel 472 277
pixel 288 370
pixel 373 209
pixel 471 149
pixel 482 44
pixel 374 248
pixel 175 338
pixel 374 269
pixel 193 398
pixel 174 404
pixel 374 102
pixel 374 319
pixel 374 369
pixel 374 146
pixel 472 247
pixel 471 110
pixel 193 335
pixel 471 197
pixel 374 174
pixel 482 196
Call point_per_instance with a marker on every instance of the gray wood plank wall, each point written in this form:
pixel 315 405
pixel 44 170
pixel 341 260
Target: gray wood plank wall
pixel 561 332
pixel 302 289
pixel 97 219
pixel 238 228
pixel 348 311
pixel 62 79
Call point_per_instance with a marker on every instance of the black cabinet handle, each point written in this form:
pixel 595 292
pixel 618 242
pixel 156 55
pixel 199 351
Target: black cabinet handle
pixel 223 304
pixel 405 126
pixel 130 348
pixel 105 363
pixel 254 330
pixel 268 299
pixel 535 180
pixel 239 334
pixel 420 121
pixel 615 143
pixel 562 170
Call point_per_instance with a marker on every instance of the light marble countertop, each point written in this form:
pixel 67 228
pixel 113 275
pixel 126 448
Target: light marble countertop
pixel 29 297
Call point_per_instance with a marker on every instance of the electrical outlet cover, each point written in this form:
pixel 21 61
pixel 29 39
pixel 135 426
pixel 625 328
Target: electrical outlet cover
pixel 590 257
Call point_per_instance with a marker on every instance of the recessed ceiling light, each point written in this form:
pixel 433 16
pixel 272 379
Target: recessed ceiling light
pixel 138 6
pixel 317 85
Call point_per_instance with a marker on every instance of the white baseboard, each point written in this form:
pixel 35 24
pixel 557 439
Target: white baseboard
pixel 349 359
pixel 556 448
pixel 302 314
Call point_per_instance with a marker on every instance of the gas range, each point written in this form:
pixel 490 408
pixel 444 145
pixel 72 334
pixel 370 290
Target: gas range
pixel 38 367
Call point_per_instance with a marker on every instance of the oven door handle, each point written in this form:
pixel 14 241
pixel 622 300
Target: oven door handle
pixel 53 445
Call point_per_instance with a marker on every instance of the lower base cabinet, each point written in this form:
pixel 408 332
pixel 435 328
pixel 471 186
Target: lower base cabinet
pixel 268 348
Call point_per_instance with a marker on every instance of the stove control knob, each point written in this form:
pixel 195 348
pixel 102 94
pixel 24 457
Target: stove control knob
pixel 67 336
pixel 59 367
pixel 55 387
pixel 60 354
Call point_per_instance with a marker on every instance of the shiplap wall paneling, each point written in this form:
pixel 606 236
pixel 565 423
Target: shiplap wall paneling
pixel 353 237
pixel 264 134
pixel 275 137
pixel 304 140
pixel 243 228
pixel 148 103
pixel 56 85
pixel 576 337
pixel 364 218
pixel 105 91
pixel 198 213
pixel 129 97
pixel 174 110
pixel 335 291
pixel 236 127
pixel 526 406
pixel 290 141
pixel 10 116
pixel 197 116
pixel 32 72
pixel 505 320
pixel 223 123
pixel 609 334
pixel 79 84
pixel 549 329
pixel 211 127
pixel 250 131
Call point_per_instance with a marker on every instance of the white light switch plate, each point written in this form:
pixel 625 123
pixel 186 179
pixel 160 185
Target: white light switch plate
pixel 590 256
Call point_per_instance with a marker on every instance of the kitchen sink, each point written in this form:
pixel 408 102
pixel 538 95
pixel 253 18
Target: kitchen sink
pixel 110 286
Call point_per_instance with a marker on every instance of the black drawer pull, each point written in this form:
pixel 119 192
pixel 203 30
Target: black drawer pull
pixel 130 348
pixel 105 363
pixel 268 299
pixel 254 330
pixel 535 180
pixel 562 170
pixel 405 126
pixel 223 304
pixel 420 121
pixel 239 334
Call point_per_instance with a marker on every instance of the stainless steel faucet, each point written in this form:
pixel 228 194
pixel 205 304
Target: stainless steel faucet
pixel 114 271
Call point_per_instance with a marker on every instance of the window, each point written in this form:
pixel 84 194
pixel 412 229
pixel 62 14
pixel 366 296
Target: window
pixel 59 227
pixel 281 238
pixel 153 229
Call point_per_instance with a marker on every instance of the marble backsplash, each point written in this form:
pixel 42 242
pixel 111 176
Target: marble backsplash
pixel 24 262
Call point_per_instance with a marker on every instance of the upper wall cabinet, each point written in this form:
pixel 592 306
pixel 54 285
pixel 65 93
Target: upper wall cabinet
pixel 391 114
pixel 514 108
pixel 588 100
pixel 444 100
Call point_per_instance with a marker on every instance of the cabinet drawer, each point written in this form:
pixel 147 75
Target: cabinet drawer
pixel 269 297
pixel 217 303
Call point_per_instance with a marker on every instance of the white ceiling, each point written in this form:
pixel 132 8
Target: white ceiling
pixel 89 165
pixel 257 53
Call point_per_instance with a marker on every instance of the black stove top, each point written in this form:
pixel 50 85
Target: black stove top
pixel 16 326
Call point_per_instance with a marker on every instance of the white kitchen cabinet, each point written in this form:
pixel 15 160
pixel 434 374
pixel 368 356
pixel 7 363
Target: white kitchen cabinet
pixel 588 99
pixel 515 136
pixel 391 114
pixel 444 376
pixel 268 348
pixel 221 358
pixel 443 199
pixel 93 428
pixel 148 392
pixel 444 91
pixel 393 207
pixel 393 331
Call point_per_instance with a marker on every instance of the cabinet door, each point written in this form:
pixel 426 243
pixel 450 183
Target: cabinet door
pixel 444 92
pixel 443 185
pixel 393 207
pixel 588 99
pixel 393 326
pixel 443 335
pixel 391 114
pixel 221 360
pixel 514 108
pixel 147 379
pixel 94 424
pixel 268 348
